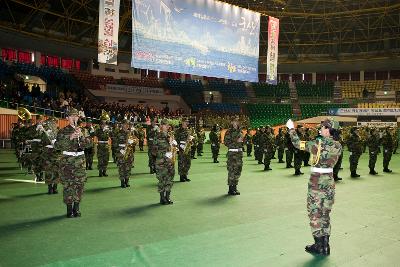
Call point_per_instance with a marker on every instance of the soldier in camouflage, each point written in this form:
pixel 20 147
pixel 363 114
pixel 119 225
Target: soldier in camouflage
pixel 89 149
pixel 355 148
pixel 280 143
pixel 72 163
pixel 114 143
pixel 248 140
pixel 215 138
pixel 268 146
pixel 321 188
pixel 125 154
pixel 387 145
pixel 373 149
pixel 151 133
pixel 299 154
pixel 140 135
pixel 233 140
pixel 201 137
pixel 194 143
pixel 164 148
pixel 50 156
pixel 103 149
pixel 35 132
pixel 185 140
pixel 256 142
pixel 289 151
pixel 338 137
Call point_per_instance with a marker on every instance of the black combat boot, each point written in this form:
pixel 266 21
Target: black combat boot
pixel 354 175
pixel 281 161
pixel 163 201
pixel 235 190
pixel 372 171
pixel 298 172
pixel 267 168
pixel 55 191
pixel 326 249
pixel 49 189
pixel 167 197
pixel 104 173
pixel 90 167
pixel 127 182
pixel 123 185
pixel 70 213
pixel 76 211
pixel 231 190
pixel 386 169
pixel 100 173
pixel 288 166
pixel 336 178
pixel 187 179
pixel 182 178
pixel 317 247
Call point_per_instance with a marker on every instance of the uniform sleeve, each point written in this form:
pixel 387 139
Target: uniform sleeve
pixel 302 145
pixel 228 138
pixel 62 142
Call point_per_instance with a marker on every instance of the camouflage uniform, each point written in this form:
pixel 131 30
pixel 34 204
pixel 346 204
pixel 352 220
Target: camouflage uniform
pixel 201 137
pixel 89 149
pixel 233 140
pixel 50 157
pixel 103 149
pixel 289 151
pixel 35 133
pixel 355 148
pixel 280 143
pixel 125 154
pixel 387 144
pixel 299 154
pixel 140 135
pixel 321 187
pixel 182 136
pixel 215 138
pixel 268 147
pixel 194 143
pixel 257 142
pixel 151 133
pixel 248 140
pixel 374 150
pixel 114 142
pixel 338 164
pixel 165 164
pixel 72 167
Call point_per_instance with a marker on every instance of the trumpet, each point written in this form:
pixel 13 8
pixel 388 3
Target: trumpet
pixel 174 149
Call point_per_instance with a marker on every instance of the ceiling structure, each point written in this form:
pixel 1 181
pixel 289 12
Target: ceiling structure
pixel 310 30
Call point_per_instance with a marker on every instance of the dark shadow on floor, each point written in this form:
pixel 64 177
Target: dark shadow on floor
pixel 10 229
pixel 316 261
pixel 102 189
pixel 215 200
pixel 10 168
pixel 140 210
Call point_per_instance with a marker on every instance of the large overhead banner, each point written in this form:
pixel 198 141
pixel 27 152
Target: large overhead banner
pixel 108 31
pixel 272 56
pixel 200 37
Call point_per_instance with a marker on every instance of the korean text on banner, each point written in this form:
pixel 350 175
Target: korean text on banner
pixel 108 31
pixel 272 57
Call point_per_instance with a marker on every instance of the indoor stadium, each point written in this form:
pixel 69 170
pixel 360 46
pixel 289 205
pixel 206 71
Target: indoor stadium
pixel 199 133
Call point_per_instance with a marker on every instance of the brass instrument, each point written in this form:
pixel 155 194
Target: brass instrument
pixel 314 160
pixel 130 145
pixel 24 114
pixel 104 116
pixel 188 147
pixel 174 149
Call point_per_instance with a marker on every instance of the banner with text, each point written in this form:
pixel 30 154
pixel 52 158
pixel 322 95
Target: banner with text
pixel 272 53
pixel 108 31
pixel 365 112
pixel 206 38
pixel 138 90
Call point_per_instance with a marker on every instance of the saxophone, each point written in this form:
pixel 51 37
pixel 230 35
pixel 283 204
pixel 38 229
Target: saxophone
pixel 130 144
pixel 174 149
pixel 188 147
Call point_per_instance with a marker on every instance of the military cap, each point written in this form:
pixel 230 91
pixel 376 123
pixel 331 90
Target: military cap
pixel 164 122
pixel 330 123
pixel 73 112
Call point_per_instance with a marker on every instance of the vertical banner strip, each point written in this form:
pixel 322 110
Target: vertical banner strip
pixel 272 57
pixel 108 31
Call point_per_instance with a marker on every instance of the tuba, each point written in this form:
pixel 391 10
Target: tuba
pixel 24 114
pixel 130 144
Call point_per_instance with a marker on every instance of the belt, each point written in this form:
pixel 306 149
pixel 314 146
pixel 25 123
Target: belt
pixel 150 139
pixel 103 142
pixel 235 150
pixel 182 142
pixel 34 140
pixel 321 170
pixel 122 145
pixel 73 154
pixel 50 146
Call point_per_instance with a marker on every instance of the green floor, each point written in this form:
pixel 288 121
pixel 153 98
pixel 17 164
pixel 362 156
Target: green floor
pixel 266 226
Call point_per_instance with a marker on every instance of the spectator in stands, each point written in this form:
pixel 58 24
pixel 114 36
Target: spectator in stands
pixel 81 113
pixel 365 92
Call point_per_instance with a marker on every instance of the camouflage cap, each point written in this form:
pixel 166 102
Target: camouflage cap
pixel 330 123
pixel 164 122
pixel 73 112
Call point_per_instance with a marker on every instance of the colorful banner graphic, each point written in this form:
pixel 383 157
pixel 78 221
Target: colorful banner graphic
pixel 365 112
pixel 137 90
pixel 272 57
pixel 206 38
pixel 108 31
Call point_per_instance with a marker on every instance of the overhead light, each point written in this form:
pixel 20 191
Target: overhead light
pixel 283 8
pixel 26 77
